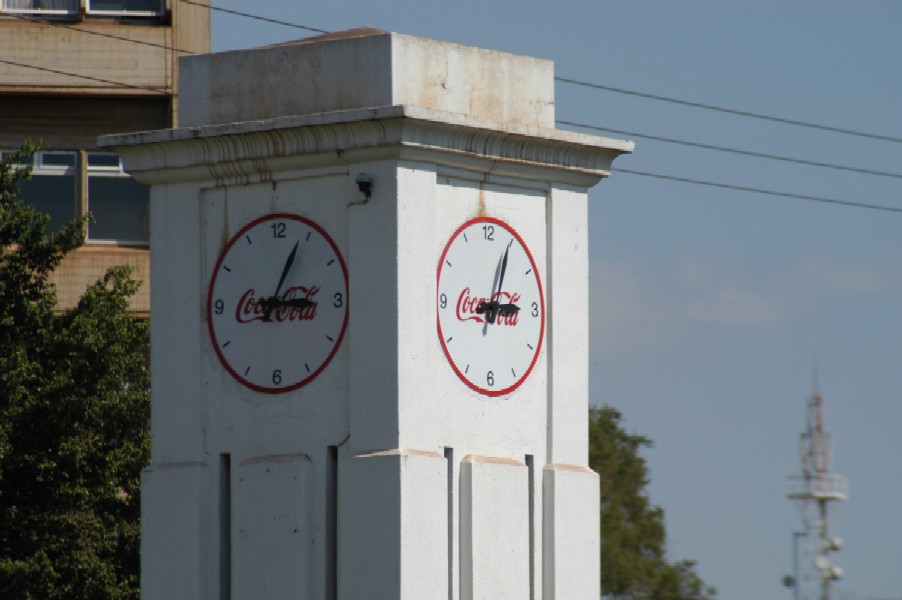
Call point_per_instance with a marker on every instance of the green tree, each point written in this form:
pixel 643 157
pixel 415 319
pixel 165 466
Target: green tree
pixel 74 409
pixel 634 565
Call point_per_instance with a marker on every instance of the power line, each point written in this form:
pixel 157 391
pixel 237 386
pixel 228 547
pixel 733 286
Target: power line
pixel 619 170
pixel 741 188
pixel 598 86
pixel 99 33
pixel 88 77
pixel 701 105
pixel 586 126
pixel 257 17
pixel 799 161
pixel 731 111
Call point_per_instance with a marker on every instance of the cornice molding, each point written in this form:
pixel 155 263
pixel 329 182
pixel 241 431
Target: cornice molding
pixel 248 152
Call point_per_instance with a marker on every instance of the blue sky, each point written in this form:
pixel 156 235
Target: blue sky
pixel 711 308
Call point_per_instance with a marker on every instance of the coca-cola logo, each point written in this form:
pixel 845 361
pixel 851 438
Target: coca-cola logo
pixel 251 308
pixel 471 308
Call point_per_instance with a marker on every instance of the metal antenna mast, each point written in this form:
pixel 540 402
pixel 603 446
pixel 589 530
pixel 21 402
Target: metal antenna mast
pixel 813 491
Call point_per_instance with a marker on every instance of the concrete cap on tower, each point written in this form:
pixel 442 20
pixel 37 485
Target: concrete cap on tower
pixel 366 68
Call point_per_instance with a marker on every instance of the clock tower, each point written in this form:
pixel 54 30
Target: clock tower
pixel 369 283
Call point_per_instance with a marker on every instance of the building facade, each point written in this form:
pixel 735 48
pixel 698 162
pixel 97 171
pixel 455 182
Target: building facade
pixel 70 71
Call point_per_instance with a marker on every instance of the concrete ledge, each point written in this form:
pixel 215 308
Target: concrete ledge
pixel 363 68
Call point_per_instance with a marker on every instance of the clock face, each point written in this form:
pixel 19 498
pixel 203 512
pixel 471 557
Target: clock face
pixel 278 303
pixel 491 311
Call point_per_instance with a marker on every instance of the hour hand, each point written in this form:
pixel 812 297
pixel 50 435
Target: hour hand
pixel 506 310
pixel 274 302
pixel 297 302
pixel 496 309
pixel 488 307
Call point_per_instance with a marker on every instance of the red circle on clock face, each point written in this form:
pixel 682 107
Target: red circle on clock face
pixel 490 304
pixel 277 306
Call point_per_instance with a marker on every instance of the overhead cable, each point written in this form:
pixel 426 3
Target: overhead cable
pixel 732 111
pixel 98 33
pixel 609 88
pixel 799 161
pixel 659 176
pixel 88 77
pixel 741 188
pixel 257 17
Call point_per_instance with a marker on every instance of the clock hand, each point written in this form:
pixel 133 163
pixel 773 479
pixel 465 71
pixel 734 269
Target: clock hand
pixel 491 304
pixel 505 309
pixel 493 307
pixel 270 305
pixel 274 302
pixel 298 302
pixel 504 267
pixel 288 262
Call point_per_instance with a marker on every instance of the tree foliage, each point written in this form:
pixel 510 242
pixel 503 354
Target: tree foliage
pixel 74 409
pixel 634 565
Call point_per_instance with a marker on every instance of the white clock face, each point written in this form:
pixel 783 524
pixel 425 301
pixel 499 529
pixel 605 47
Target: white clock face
pixel 278 303
pixel 491 311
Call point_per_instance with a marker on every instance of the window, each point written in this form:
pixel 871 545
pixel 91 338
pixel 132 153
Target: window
pixel 8 155
pixel 118 8
pixel 118 203
pixel 44 7
pixel 52 187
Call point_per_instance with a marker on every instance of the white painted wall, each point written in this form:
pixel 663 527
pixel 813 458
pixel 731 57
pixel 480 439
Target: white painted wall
pixel 386 476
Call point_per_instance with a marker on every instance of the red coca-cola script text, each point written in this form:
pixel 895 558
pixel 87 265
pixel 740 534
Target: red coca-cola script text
pixel 251 308
pixel 468 307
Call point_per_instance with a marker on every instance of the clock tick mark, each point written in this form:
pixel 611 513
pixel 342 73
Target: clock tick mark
pixel 467 369
pixel 307 239
pixel 465 238
pixel 226 268
pixel 513 372
pixel 449 339
pixel 528 272
pixel 329 338
pixel 329 264
pixel 248 238
pixel 448 262
pixel 306 366
pixel 227 343
pixel 530 346
pixel 246 371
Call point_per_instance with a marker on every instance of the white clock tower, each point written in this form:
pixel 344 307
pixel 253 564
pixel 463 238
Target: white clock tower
pixel 369 327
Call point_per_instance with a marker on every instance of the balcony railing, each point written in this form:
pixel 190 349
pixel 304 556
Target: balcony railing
pixel 820 486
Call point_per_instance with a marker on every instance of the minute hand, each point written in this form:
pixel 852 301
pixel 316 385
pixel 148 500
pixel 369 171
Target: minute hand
pixel 288 262
pixel 505 309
